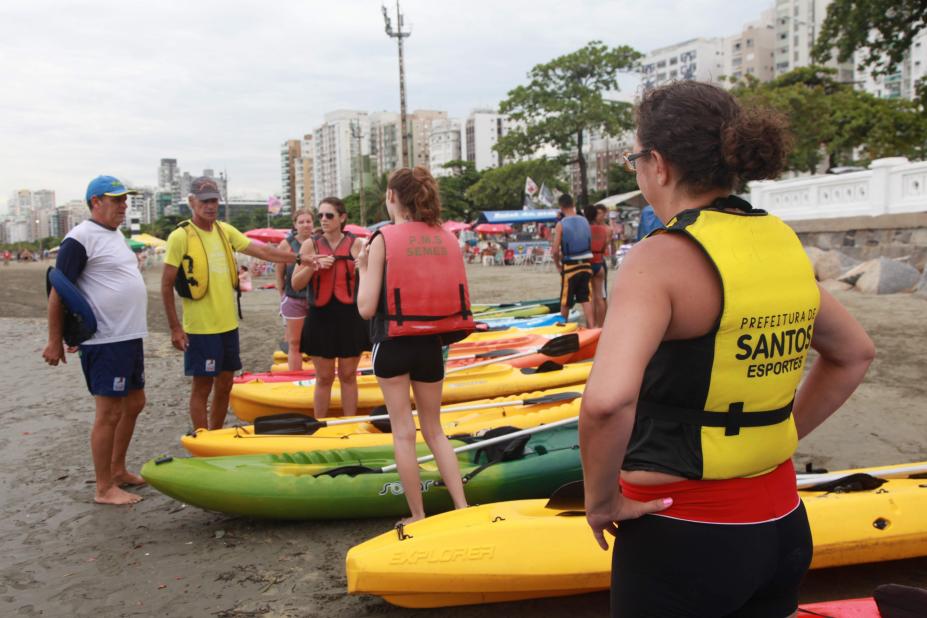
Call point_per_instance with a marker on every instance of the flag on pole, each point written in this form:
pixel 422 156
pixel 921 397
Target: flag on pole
pixel 274 205
pixel 530 186
pixel 546 196
pixel 528 204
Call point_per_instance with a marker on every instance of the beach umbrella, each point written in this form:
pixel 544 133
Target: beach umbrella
pixel 134 245
pixel 267 234
pixel 376 226
pixel 455 226
pixel 149 240
pixel 493 228
pixel 357 230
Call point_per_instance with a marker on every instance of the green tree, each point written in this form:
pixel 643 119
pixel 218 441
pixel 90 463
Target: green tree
pixel 454 201
pixel 502 188
pixel 882 29
pixel 565 99
pixel 374 201
pixel 163 226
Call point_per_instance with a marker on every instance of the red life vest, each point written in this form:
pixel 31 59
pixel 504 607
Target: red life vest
pixel 340 280
pixel 600 238
pixel 424 288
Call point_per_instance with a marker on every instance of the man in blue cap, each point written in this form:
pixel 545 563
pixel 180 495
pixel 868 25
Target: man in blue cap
pixel 94 256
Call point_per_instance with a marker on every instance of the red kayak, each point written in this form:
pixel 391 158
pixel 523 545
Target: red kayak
pixel 847 608
pixel 588 341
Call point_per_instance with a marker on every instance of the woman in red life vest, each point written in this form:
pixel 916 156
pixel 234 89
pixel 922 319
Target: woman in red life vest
pixel 293 304
pixel 695 411
pixel 335 330
pixel 601 236
pixel 414 290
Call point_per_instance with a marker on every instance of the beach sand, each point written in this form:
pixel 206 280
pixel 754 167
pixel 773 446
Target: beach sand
pixel 65 556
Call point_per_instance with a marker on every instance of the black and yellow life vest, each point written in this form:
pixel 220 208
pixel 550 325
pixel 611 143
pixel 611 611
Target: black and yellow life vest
pixel 192 280
pixel 719 406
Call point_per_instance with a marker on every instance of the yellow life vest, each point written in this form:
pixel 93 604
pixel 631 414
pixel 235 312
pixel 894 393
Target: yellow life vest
pixel 719 406
pixel 192 279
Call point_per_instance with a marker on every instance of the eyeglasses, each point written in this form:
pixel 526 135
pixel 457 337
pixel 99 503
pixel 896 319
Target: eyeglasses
pixel 327 215
pixel 630 159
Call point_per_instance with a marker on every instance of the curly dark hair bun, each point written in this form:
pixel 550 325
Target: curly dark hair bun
pixel 712 142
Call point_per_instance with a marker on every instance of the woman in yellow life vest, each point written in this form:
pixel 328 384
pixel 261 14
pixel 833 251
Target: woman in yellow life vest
pixel 293 304
pixel 694 398
pixel 336 332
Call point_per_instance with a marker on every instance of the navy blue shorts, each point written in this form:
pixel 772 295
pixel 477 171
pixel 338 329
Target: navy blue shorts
pixel 209 355
pixel 113 369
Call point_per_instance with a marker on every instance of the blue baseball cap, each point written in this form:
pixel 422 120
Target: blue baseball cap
pixel 107 185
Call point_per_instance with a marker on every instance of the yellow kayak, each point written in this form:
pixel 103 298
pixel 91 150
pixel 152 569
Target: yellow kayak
pixel 552 330
pixel 253 399
pixel 563 403
pixel 491 553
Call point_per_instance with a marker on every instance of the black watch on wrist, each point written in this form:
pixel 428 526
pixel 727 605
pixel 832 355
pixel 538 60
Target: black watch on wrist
pixel 299 259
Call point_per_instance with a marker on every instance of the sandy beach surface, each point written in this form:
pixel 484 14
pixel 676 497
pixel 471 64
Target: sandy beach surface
pixel 62 555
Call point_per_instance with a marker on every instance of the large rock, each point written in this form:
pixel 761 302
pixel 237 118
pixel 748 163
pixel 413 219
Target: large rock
pixel 921 288
pixel 882 276
pixel 814 254
pixel 832 264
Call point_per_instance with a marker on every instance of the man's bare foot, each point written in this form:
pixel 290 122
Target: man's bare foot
pixel 127 478
pixel 114 495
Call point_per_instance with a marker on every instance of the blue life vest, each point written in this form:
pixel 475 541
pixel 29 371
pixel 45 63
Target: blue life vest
pixel 576 238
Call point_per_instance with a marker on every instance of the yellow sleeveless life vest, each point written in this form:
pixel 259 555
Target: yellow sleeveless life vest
pixel 192 279
pixel 719 406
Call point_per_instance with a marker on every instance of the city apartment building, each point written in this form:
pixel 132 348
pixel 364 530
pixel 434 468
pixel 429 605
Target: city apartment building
pixel 444 145
pixel 290 167
pixel 420 123
pixel 797 24
pixel 902 83
pixel 483 129
pixel 700 59
pixel 341 143
pixel 385 142
pixel 752 50
pixel 303 166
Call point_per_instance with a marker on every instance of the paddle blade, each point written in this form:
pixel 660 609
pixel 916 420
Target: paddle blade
pixel 561 346
pixel 555 397
pixel 287 425
pixel 850 483
pixel 544 367
pixel 382 424
pixel 568 497
pixel 347 471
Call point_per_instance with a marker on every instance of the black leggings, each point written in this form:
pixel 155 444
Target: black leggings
pixel 664 567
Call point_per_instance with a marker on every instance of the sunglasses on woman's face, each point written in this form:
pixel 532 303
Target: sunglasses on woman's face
pixel 327 215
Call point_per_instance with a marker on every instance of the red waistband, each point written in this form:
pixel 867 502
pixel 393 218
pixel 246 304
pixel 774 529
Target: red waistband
pixel 731 501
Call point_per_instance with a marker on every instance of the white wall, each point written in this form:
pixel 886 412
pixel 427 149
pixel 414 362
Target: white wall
pixel 890 186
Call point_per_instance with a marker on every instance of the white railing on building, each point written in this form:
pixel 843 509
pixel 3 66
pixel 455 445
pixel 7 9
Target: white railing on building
pixel 890 186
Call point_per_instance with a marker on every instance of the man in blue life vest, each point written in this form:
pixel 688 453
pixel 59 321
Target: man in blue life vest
pixel 571 250
pixel 649 222
pixel 200 265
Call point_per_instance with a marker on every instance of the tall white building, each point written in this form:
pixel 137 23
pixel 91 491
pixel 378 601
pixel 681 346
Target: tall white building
pixel 444 145
pixel 420 123
pixel 482 131
pixel 303 169
pixel 798 22
pixel 43 199
pixel 699 59
pixel 340 145
pixel 902 83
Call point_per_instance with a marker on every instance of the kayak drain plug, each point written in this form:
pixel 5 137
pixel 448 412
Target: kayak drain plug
pixel 163 460
pixel 881 523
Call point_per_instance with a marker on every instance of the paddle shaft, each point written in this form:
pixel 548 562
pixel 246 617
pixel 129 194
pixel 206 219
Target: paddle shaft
pixel 464 408
pixel 505 438
pixel 569 348
pixel 810 480
pixel 506 310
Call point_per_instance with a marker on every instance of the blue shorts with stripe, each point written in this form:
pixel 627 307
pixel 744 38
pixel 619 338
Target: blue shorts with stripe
pixel 209 355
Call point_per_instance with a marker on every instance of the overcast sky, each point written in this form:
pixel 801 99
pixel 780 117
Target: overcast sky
pixel 95 86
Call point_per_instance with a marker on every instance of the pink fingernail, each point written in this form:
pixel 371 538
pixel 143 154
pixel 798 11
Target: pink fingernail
pixel 667 501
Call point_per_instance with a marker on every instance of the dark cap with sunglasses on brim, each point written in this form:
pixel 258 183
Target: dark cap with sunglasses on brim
pixel 205 188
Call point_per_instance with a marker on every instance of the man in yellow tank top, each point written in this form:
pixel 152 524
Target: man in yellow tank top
pixel 208 336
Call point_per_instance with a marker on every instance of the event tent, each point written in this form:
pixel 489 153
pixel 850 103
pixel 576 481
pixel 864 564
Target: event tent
pixel 546 215
pixel 267 234
pixel 455 226
pixel 493 228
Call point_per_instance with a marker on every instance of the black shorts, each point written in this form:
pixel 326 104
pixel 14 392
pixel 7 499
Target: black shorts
pixel 420 357
pixel 575 283
pixel 665 567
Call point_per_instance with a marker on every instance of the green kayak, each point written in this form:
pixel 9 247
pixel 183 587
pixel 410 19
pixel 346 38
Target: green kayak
pixel 552 304
pixel 301 485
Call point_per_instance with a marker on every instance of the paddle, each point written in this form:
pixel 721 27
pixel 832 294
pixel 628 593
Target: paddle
pixel 506 310
pixel 355 470
pixel 810 480
pixel 298 424
pixel 558 346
